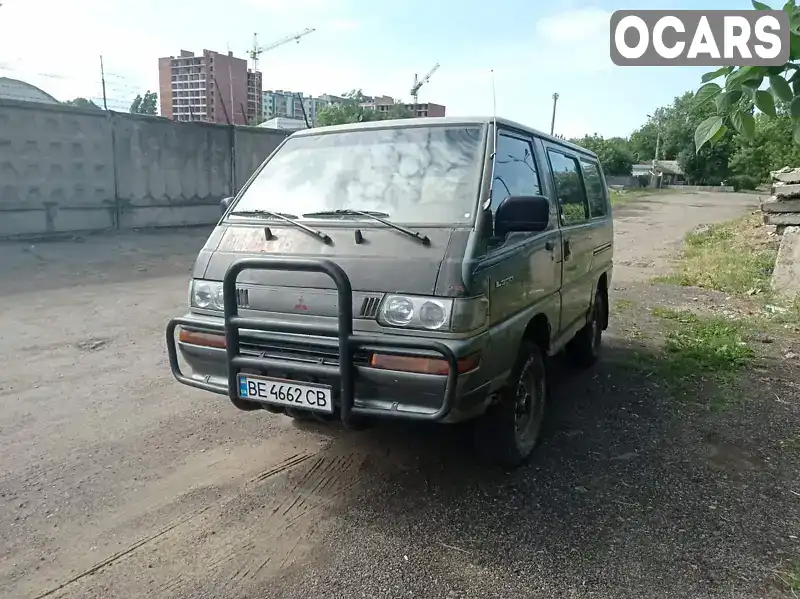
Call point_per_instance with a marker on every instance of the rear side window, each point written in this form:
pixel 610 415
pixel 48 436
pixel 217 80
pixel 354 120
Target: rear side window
pixel 569 188
pixel 594 189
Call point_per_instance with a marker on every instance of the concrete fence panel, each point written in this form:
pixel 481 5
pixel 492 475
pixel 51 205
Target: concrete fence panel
pixel 56 169
pixel 65 169
pixel 253 145
pixel 170 173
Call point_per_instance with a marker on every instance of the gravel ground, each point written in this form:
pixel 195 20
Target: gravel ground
pixel 117 481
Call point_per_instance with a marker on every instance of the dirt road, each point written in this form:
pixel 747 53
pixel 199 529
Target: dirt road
pixel 116 481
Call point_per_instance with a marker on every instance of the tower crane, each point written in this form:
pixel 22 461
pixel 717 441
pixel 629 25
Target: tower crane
pixel 418 83
pixel 257 50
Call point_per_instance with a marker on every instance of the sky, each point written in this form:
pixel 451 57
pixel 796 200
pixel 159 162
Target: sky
pixel 535 48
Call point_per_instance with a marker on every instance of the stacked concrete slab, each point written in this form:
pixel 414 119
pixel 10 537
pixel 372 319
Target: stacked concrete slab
pixel 783 211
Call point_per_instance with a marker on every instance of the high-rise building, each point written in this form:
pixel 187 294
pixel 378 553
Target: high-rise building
pixel 212 87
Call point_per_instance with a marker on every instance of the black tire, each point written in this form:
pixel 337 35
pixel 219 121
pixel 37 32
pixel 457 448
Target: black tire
pixel 510 430
pixel 584 349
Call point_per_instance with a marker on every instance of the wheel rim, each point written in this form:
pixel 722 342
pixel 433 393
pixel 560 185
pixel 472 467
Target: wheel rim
pixel 529 409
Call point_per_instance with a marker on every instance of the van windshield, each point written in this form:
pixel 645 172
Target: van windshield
pixel 409 174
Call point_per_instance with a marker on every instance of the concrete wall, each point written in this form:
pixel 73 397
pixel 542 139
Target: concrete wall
pixel 56 169
pixel 623 181
pixel 719 188
pixel 66 169
pixel 170 173
pixel 253 145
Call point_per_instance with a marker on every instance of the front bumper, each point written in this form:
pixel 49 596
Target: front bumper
pixel 340 359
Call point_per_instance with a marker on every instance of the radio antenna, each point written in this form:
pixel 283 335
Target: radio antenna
pixel 494 141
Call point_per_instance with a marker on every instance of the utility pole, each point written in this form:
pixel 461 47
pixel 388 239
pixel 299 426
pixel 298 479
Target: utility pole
pixel 654 178
pixel 103 81
pixel 553 120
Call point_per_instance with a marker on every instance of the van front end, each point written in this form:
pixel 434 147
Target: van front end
pixel 329 366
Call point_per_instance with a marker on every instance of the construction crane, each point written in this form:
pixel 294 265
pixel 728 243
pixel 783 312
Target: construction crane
pixel 418 83
pixel 257 50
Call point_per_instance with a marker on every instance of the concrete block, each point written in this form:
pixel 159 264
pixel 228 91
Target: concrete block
pixel 786 276
pixel 787 175
pixel 786 219
pixel 786 190
pixel 775 204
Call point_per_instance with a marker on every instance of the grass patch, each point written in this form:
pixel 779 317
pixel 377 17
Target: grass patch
pixel 699 350
pixel 791 577
pixel 734 257
pixel 621 305
pixel 704 345
pixel 622 196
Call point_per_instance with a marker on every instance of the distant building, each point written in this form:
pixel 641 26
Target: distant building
pixel 212 87
pixel 286 123
pixel 282 103
pixel 14 89
pixel 287 104
pixel 384 104
pixel 668 171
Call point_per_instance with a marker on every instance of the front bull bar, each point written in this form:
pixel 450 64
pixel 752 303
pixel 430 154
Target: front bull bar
pixel 345 372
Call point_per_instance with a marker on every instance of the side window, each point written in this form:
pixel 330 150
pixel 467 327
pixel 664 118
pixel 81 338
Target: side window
pixel 515 171
pixel 594 189
pixel 569 188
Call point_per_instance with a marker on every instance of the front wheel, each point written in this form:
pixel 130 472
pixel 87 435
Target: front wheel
pixel 510 429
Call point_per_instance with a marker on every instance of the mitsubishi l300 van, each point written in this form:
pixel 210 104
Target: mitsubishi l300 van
pixel 419 268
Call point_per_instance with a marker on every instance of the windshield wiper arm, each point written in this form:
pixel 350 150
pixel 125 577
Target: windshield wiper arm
pixel 374 216
pixel 286 218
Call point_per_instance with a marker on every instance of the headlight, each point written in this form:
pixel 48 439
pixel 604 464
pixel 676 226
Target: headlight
pixel 434 314
pixel 207 295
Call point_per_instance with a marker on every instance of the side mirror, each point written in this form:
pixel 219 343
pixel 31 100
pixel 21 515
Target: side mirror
pixel 225 203
pixel 529 214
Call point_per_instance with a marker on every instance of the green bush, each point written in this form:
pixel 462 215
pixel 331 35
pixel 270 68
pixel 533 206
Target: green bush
pixel 744 182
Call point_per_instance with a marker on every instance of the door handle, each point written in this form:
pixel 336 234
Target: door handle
pixel 549 246
pixel 567 250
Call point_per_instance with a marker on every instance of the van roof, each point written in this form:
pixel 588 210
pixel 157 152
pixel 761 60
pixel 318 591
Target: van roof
pixel 445 120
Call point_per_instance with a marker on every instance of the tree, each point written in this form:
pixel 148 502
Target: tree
pixel 741 92
pixel 82 103
pixel 400 111
pixel 146 104
pixel 352 111
pixel 673 127
pixel 614 153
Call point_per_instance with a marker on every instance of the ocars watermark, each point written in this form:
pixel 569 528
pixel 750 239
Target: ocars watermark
pixel 699 37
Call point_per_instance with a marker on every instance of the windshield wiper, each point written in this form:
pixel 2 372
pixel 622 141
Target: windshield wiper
pixel 289 218
pixel 374 216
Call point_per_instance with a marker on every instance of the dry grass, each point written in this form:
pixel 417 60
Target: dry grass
pixel 734 257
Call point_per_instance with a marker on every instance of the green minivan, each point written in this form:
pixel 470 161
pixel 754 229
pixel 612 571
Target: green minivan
pixel 416 268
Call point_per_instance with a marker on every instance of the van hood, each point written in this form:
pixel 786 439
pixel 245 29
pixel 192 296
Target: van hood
pixel 385 261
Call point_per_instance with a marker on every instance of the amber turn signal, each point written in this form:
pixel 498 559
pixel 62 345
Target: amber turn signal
pixel 422 365
pixel 203 339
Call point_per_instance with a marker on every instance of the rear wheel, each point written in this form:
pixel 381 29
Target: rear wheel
pixel 584 349
pixel 510 429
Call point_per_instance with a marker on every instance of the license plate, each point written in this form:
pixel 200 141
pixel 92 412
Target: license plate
pixel 286 393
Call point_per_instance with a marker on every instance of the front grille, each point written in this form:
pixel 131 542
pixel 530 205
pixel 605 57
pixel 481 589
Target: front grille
pixel 369 307
pixel 317 353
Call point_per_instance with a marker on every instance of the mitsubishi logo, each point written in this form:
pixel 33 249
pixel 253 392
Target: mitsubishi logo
pixel 301 304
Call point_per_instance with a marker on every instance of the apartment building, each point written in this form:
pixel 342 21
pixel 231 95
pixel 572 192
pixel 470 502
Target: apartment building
pixel 211 87
pixel 287 104
pixel 384 105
